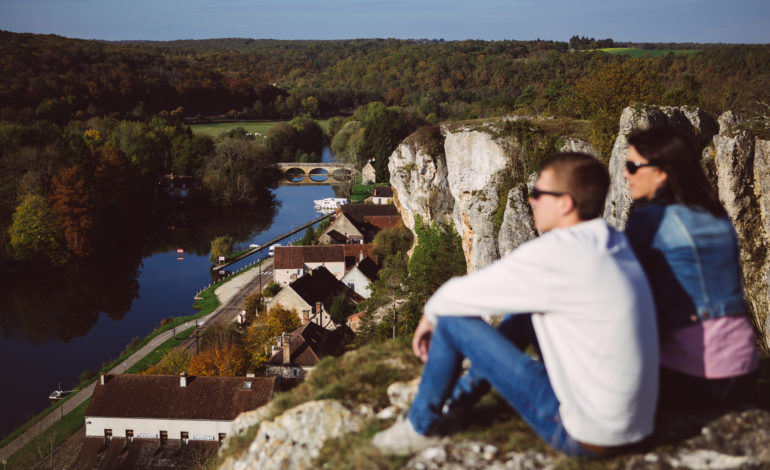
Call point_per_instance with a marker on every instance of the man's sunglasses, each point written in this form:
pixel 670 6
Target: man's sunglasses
pixel 633 167
pixel 536 193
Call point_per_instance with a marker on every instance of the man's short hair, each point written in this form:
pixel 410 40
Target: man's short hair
pixel 584 177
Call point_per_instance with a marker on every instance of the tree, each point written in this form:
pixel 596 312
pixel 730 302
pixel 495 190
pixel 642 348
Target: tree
pixel 390 241
pixel 239 173
pixel 221 246
pixel 261 335
pixel 220 361
pixel 341 309
pixel 174 362
pixel 74 207
pixel 437 257
pixel 35 233
pixel 390 285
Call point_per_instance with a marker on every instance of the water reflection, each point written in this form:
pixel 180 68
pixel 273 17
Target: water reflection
pixel 59 305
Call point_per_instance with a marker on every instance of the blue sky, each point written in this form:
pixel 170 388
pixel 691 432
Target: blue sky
pixel 744 21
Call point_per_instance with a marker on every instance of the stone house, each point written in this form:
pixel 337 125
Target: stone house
pixel 292 262
pixel 133 420
pixel 311 297
pixel 296 353
pixel 369 173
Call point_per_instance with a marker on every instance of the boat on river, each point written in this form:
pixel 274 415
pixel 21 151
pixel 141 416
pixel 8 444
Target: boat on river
pixel 329 204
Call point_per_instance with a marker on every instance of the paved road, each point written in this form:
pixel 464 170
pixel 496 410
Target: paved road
pixel 230 294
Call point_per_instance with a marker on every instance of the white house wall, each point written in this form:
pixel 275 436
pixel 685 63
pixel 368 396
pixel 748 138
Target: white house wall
pixel 150 428
pixel 356 280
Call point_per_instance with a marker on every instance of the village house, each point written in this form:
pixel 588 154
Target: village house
pixel 382 195
pixel 296 353
pixel 311 297
pixel 134 420
pixel 369 173
pixel 359 223
pixel 361 275
pixel 291 262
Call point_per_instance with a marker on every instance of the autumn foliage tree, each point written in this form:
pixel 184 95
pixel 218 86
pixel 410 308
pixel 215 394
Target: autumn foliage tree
pixel 174 362
pixel 219 361
pixel 73 206
pixel 260 336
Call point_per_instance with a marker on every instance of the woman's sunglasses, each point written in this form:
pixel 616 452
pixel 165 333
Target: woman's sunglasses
pixel 536 193
pixel 633 167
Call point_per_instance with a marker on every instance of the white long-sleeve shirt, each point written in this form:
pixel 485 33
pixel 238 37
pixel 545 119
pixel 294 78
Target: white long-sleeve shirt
pixel 594 321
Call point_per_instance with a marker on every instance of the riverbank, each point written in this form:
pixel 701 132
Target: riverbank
pixel 53 426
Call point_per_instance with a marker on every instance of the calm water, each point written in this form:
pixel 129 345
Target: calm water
pixel 52 329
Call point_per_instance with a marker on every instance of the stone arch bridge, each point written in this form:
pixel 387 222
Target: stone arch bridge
pixel 295 173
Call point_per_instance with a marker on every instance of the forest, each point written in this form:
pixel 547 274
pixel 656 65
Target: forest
pixel 90 129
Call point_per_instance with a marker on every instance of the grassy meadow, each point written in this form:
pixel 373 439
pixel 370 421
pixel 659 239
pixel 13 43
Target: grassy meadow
pixel 214 129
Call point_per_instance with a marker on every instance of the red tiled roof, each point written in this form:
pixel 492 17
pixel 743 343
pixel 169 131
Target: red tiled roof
pixel 357 212
pixel 380 222
pixel 383 192
pixel 295 257
pixel 161 396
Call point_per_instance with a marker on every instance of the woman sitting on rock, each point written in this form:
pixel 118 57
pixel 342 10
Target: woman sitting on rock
pixel 681 234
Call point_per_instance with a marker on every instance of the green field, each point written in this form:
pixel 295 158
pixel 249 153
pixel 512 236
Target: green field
pixel 632 52
pixel 260 127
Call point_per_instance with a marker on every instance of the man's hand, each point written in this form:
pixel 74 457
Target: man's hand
pixel 421 338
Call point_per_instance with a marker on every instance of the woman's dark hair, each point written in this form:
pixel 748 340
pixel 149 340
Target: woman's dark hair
pixel 673 152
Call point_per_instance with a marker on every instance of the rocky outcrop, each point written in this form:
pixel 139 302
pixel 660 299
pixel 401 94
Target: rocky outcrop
pixel 294 439
pixel 420 183
pixel 518 226
pixel 463 184
pixel 742 163
pixel 687 119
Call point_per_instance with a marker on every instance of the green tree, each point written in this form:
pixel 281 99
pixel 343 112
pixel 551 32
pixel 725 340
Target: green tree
pixel 221 246
pixel 341 309
pixel 437 257
pixel 390 286
pixel 390 241
pixel 35 233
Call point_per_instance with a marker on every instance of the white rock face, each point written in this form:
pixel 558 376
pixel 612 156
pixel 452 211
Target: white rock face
pixel 295 438
pixel 687 119
pixel 420 184
pixel 576 145
pixel 518 226
pixel 743 179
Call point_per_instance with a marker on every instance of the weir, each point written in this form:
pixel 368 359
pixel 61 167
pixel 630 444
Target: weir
pixel 268 244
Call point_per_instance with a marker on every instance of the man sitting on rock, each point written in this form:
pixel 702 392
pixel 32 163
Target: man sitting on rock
pixel 595 388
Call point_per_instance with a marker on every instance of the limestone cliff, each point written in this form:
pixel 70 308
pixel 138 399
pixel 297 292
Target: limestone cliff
pixel 467 183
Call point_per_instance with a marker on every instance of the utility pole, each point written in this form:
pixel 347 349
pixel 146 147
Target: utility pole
pixel 196 337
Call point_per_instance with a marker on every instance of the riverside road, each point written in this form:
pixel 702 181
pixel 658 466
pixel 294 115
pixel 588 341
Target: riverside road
pixel 230 294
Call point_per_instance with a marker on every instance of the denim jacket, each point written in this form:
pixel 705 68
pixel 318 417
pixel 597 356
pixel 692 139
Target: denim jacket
pixel 691 260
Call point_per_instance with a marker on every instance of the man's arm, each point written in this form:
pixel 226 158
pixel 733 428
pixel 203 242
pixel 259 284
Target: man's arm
pixel 421 338
pixel 515 284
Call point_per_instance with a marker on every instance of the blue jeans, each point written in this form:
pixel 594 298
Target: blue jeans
pixel 497 356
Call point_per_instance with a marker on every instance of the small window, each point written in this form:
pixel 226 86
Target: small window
pixel 129 435
pixel 163 437
pixel 185 436
pixel 222 437
pixel 108 435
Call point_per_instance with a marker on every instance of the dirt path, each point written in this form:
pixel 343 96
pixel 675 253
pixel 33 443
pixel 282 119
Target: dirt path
pixel 230 294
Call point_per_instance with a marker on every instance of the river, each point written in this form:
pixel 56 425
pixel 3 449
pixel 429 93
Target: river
pixel 54 328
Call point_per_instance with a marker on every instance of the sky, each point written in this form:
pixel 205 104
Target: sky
pixel 736 21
